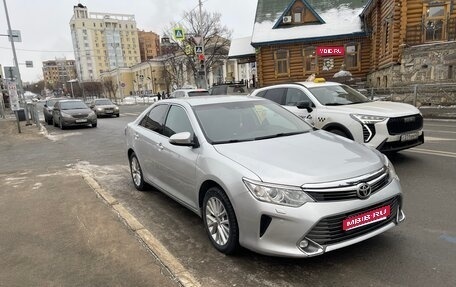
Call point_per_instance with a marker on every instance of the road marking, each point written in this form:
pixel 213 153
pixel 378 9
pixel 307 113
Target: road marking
pixel 439 131
pixel 434 139
pixel 432 152
pixel 129 114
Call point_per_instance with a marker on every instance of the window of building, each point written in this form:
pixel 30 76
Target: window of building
pixel 386 37
pixel 282 62
pixel 310 60
pixel 297 15
pixel 434 23
pixel 352 60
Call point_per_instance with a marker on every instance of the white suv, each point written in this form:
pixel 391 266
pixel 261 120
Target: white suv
pixel 339 109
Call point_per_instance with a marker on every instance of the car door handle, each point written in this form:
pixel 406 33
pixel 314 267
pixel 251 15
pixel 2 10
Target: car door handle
pixel 160 146
pixel 136 136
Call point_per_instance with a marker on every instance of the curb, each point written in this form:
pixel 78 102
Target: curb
pixel 182 275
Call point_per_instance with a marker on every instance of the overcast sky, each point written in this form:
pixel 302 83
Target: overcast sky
pixel 44 24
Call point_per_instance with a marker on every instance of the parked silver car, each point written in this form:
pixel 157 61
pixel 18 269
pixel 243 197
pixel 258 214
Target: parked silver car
pixel 261 177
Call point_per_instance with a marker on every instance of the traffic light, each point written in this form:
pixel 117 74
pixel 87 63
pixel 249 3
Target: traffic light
pixel 202 61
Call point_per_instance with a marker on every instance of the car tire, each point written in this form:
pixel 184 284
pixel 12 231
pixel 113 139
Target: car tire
pixel 136 173
pixel 94 125
pixel 220 219
pixel 117 115
pixel 339 133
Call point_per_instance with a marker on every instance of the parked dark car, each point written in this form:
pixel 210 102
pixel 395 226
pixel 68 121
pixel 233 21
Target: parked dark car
pixel 230 89
pixel 47 109
pixel 73 113
pixel 104 107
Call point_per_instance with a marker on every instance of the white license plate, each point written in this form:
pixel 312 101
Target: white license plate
pixel 409 136
pixel 109 112
pixel 81 121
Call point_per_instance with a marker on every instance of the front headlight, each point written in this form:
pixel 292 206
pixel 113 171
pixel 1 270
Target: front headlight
pixel 278 194
pixel 368 119
pixel 65 115
pixel 99 109
pixel 116 108
pixel 391 170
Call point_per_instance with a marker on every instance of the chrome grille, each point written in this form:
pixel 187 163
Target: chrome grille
pixel 80 116
pixel 347 189
pixel 404 124
pixel 330 231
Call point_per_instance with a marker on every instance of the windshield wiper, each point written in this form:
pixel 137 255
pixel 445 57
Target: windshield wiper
pixel 278 135
pixel 334 104
pixel 231 141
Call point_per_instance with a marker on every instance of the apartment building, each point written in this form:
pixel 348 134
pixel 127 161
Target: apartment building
pixel 149 45
pixel 103 42
pixel 58 72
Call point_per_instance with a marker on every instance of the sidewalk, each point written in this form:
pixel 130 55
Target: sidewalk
pixel 55 231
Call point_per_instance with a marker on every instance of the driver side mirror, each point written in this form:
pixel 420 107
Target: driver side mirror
pixel 305 105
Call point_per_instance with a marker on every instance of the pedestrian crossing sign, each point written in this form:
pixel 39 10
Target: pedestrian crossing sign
pixel 198 49
pixel 179 34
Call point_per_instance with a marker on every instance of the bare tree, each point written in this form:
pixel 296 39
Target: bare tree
pixel 111 87
pixel 93 89
pixel 184 57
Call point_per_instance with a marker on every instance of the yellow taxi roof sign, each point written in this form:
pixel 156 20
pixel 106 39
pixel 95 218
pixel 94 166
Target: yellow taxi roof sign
pixel 319 80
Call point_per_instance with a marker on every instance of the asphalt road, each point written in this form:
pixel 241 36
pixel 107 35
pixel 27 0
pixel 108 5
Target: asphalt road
pixel 420 252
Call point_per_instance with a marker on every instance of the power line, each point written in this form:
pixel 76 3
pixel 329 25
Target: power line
pixel 39 51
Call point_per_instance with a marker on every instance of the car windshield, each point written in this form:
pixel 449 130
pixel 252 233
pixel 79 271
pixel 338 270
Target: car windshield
pixel 73 105
pixel 51 103
pixel 337 95
pixel 247 121
pixel 198 93
pixel 103 102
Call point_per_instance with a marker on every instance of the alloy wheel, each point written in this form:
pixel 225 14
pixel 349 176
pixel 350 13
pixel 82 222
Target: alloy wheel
pixel 136 171
pixel 217 221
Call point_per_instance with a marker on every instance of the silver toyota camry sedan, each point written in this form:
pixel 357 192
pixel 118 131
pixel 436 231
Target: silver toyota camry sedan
pixel 262 178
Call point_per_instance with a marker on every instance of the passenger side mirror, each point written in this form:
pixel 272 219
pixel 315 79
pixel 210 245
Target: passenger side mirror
pixel 305 105
pixel 45 105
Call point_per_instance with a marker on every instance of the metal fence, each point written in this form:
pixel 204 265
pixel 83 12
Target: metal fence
pixel 417 95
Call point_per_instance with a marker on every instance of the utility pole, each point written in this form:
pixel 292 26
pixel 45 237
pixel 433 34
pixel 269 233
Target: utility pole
pixel 21 89
pixel 200 4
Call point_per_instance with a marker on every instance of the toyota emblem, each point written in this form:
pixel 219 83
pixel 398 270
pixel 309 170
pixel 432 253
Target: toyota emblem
pixel 363 190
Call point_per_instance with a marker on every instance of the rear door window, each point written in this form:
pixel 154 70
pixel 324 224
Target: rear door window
pixel 155 118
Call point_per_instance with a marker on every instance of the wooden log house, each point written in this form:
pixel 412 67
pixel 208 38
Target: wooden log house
pixel 374 34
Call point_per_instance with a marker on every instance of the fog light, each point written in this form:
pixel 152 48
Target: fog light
pixel 304 243
pixel 310 248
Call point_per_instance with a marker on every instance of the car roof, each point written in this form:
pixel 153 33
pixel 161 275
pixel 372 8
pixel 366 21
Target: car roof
pixel 317 84
pixel 191 90
pixel 207 100
pixel 71 100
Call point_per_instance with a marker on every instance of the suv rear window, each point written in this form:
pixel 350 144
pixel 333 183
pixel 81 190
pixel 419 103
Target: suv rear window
pixel 198 93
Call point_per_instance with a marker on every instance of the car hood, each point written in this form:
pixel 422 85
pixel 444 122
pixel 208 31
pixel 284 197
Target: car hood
pixel 379 108
pixel 77 111
pixel 306 158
